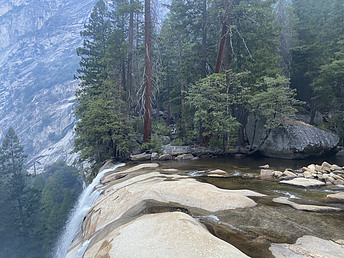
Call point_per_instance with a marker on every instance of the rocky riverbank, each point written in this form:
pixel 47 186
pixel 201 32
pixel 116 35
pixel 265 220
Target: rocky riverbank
pixel 150 210
pixel 312 175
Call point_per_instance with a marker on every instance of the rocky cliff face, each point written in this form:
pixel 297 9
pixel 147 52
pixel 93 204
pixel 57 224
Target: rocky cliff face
pixel 38 39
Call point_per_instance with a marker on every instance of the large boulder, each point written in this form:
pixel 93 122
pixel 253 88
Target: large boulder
pixel 173 234
pixel 175 150
pixel 308 246
pixel 294 140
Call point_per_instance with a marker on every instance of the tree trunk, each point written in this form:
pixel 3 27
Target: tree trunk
pixel 180 75
pixel 204 39
pixel 148 75
pixel 130 57
pixel 219 59
pixel 221 49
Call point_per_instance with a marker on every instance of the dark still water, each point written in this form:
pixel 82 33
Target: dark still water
pixel 252 230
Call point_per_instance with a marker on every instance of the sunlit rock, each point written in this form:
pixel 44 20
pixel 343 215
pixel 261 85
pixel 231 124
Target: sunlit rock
pixel 338 197
pixel 308 246
pixel 173 234
pixel 304 182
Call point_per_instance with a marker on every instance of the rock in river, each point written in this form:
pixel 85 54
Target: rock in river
pixel 305 207
pixel 304 182
pixel 338 197
pixel 308 246
pixel 295 140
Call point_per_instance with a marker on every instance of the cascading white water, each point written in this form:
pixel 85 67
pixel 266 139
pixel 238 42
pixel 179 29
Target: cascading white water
pixel 84 203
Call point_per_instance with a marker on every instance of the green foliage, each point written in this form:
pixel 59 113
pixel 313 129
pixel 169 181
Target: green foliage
pixel 275 103
pixel 19 202
pixel 32 211
pixel 211 102
pixel 155 144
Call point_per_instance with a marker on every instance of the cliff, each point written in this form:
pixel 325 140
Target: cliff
pixel 38 59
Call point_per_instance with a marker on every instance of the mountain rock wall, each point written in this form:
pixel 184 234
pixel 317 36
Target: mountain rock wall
pixel 38 41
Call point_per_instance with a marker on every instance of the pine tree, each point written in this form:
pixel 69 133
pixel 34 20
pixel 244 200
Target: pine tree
pixel 19 200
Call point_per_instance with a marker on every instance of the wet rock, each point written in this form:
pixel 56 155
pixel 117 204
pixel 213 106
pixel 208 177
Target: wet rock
pixel 266 173
pixel 338 197
pixel 304 182
pixel 173 234
pixel 308 246
pixel 304 207
pixel 141 157
pixel 165 157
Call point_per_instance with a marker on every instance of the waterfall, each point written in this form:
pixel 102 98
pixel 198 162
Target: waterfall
pixel 84 203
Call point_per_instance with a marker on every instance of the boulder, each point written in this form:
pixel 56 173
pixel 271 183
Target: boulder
pixel 175 150
pixel 335 167
pixel 304 182
pixel 289 174
pixel 278 173
pixel 308 246
pixel 294 140
pixel 217 173
pixel 326 167
pixel 266 173
pixel 165 157
pixel 305 207
pixel 307 174
pixel 154 156
pixel 338 197
pixel 141 157
pixel 172 234
pixel 185 157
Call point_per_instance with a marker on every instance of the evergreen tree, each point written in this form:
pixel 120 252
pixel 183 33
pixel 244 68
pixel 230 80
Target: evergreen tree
pixel 20 201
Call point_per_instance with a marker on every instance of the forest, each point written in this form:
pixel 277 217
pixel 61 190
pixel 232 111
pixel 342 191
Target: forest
pixel 202 69
pixel 33 208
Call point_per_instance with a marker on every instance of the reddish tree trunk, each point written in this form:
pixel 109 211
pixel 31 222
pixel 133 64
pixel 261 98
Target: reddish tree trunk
pixel 221 49
pixel 220 53
pixel 148 75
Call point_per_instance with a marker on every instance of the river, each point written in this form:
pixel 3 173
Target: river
pixel 253 229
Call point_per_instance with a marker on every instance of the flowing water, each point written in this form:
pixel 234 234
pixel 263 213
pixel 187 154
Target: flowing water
pixel 84 203
pixel 252 230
